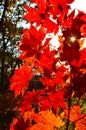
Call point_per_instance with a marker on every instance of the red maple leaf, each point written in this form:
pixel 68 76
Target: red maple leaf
pixel 50 25
pixel 54 100
pixel 83 30
pixel 31 98
pixel 56 76
pixel 70 53
pixel 20 124
pixel 31 42
pixel 42 5
pixel 20 79
pixel 82 58
pixel 32 15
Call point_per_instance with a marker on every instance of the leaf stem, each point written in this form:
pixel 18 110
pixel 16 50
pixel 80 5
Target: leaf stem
pixel 69 105
pixel 69 102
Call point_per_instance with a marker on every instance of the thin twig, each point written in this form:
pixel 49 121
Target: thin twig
pixel 69 105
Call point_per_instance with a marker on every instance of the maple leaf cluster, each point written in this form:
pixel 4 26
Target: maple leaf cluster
pixel 62 71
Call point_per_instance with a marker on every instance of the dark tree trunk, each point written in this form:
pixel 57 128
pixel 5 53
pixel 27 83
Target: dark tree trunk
pixel 3 48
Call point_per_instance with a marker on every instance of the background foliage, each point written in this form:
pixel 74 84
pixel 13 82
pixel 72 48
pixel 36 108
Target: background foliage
pixel 11 15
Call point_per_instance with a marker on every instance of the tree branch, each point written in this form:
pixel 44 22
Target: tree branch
pixel 4 48
pixel 3 15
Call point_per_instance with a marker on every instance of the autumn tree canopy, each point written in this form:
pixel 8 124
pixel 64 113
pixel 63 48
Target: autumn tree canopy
pixel 60 103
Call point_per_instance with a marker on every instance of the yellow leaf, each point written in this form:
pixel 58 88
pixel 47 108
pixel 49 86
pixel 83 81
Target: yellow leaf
pixel 45 120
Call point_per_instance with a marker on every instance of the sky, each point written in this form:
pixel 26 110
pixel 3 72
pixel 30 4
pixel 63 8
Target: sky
pixel 79 4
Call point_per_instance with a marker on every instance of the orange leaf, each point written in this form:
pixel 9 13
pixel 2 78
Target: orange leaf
pixel 46 119
pixel 77 117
